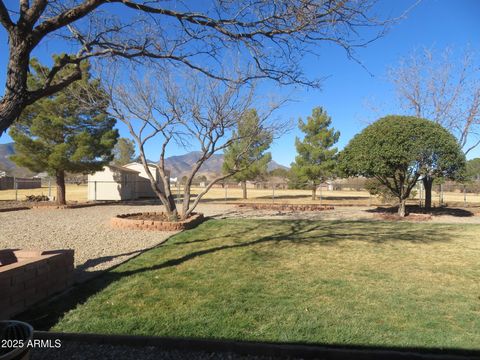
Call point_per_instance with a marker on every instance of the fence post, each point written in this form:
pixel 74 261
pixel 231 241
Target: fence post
pixel 225 186
pixel 95 190
pixel 49 188
pixel 177 200
pixel 320 194
pixel 15 186
pixel 464 195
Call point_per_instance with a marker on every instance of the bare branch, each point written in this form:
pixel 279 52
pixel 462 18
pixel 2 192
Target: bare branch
pixel 5 19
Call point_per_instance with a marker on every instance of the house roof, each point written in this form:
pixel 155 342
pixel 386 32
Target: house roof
pixel 122 169
pixel 137 163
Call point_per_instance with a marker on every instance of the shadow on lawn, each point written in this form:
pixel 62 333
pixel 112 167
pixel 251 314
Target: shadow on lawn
pixel 299 232
pixel 415 209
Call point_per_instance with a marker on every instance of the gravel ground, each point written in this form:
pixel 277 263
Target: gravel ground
pixel 83 351
pixel 7 204
pixel 97 245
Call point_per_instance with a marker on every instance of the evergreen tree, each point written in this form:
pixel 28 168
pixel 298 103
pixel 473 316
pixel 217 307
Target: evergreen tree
pixel 397 151
pixel 124 151
pixel 67 132
pixel 316 159
pixel 248 151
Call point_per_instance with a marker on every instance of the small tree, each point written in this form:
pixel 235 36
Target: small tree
pixel 191 111
pixel 473 169
pixel 59 135
pixel 399 150
pixel 316 160
pixel 248 151
pixel 429 84
pixel 123 152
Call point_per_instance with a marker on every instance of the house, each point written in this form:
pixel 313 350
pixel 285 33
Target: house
pixel 128 182
pixel 113 183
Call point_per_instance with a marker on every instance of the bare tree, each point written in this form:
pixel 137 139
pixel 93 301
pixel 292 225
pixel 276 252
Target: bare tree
pixel 270 37
pixel 434 86
pixel 193 111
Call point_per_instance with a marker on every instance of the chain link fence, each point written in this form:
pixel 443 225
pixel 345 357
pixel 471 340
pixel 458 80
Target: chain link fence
pixel 337 192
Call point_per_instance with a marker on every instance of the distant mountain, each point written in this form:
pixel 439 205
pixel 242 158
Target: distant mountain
pixel 181 165
pixel 6 150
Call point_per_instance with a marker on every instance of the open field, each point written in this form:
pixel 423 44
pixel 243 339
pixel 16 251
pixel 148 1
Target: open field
pixel 344 282
pixel 337 197
pixel 74 193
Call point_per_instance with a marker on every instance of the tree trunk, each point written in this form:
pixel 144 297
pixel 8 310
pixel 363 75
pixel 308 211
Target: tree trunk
pixel 401 208
pixel 244 189
pixel 14 98
pixel 60 180
pixel 427 184
pixel 314 192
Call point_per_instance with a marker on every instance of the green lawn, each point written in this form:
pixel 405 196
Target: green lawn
pixel 345 282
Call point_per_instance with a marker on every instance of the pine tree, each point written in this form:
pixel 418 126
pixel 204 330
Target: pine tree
pixel 62 133
pixel 248 151
pixel 124 151
pixel 316 159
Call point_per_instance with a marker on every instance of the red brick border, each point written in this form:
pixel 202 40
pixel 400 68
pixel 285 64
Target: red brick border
pixel 123 221
pixel 29 276
pixel 287 207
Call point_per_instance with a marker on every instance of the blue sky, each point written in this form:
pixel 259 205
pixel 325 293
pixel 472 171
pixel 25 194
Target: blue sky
pixel 348 87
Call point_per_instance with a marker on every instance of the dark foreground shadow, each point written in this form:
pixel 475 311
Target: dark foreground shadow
pixel 124 346
pixel 415 209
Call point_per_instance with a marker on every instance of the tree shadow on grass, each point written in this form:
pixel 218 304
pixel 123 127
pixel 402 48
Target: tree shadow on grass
pixel 415 209
pixel 298 232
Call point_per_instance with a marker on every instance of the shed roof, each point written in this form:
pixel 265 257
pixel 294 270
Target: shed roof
pixel 122 169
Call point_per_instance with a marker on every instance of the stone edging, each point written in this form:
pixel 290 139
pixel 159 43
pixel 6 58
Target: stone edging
pixel 17 208
pixel 123 222
pixel 68 206
pixel 275 350
pixel 286 207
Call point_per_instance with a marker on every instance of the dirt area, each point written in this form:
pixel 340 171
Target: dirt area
pixel 156 216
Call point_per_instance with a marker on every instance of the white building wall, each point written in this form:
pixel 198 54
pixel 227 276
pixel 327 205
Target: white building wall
pixel 112 184
pixel 144 188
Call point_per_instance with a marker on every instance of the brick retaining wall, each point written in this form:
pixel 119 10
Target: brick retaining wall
pixel 124 222
pixel 27 277
pixel 287 207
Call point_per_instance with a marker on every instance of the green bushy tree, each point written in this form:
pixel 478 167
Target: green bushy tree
pixel 66 132
pixel 397 151
pixel 124 151
pixel 248 152
pixel 316 159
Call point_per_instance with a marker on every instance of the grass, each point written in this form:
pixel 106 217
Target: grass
pixel 370 283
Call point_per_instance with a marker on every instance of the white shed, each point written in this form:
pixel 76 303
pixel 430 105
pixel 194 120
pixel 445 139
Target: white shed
pixel 113 183
pixel 144 188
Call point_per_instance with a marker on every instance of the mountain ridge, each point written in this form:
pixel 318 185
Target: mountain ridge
pixel 179 165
